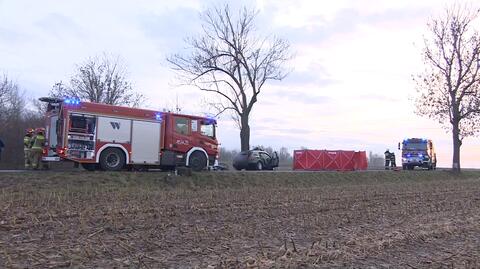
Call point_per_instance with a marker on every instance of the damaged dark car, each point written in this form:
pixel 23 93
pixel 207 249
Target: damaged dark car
pixel 255 159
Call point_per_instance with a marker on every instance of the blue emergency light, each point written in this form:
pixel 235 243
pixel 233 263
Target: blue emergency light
pixel 210 119
pixel 158 116
pixel 71 101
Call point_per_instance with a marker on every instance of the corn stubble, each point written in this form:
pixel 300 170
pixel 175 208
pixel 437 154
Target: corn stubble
pixel 240 220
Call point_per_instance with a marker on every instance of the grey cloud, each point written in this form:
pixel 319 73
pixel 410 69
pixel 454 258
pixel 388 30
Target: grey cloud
pixel 60 26
pixel 171 29
pixel 409 14
pixel 347 20
pixel 173 26
pixel 272 120
pixel 9 36
pixel 277 131
pixel 303 97
pixel 312 77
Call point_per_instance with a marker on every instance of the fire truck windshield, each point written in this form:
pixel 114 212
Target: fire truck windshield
pixel 415 146
pixel 207 129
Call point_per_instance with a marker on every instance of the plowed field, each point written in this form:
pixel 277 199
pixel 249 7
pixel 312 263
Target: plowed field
pixel 240 220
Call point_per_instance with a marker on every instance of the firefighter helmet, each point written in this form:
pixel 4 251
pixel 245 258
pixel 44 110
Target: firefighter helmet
pixel 40 131
pixel 29 131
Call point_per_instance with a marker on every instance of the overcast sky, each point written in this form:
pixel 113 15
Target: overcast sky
pixel 350 87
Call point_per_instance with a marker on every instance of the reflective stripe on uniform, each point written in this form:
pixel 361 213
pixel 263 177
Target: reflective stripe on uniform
pixel 26 141
pixel 38 142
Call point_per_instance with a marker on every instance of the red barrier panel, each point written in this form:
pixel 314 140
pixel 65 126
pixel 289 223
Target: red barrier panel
pixel 361 162
pixel 331 160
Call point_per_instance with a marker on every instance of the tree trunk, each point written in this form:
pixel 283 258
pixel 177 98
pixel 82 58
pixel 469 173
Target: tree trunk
pixel 245 133
pixel 456 147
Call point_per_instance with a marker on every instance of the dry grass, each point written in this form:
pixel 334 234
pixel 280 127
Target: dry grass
pixel 231 220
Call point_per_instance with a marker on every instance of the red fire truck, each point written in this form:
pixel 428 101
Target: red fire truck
pixel 106 137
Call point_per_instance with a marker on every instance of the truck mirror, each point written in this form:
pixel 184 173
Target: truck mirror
pixel 398 145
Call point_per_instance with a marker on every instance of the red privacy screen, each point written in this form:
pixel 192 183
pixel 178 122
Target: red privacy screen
pixel 329 160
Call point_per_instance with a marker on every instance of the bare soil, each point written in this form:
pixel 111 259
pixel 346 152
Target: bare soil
pixel 240 220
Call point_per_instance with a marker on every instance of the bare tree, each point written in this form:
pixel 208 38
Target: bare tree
pixel 231 61
pixel 15 117
pixel 12 102
pixel 100 80
pixel 449 88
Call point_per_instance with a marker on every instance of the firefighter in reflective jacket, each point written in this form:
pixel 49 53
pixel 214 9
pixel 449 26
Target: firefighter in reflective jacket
pixel 393 163
pixel 27 140
pixel 38 142
pixel 387 159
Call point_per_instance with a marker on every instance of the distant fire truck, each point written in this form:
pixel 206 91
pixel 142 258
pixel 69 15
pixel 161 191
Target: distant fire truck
pixel 418 152
pixel 106 137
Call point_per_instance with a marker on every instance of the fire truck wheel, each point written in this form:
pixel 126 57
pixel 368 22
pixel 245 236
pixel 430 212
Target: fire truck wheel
pixel 112 159
pixel 197 161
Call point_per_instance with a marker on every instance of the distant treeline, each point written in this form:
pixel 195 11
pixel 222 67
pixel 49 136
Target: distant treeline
pixel 16 114
pixel 375 160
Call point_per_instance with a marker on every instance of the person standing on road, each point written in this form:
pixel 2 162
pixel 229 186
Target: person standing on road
pixel 37 147
pixel 27 141
pixel 387 159
pixel 393 163
pixel 2 145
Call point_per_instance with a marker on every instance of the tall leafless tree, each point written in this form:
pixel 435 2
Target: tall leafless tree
pixel 231 61
pixel 449 88
pixel 100 80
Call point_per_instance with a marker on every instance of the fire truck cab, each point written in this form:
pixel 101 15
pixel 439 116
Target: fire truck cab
pixel 107 137
pixel 418 152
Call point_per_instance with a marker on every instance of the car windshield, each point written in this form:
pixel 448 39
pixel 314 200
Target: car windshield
pixel 207 129
pixel 415 146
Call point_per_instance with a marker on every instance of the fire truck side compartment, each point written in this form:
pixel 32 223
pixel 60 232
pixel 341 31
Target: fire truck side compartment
pixel 81 136
pixel 52 136
pixel 114 130
pixel 146 142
